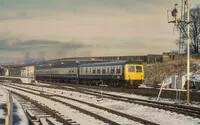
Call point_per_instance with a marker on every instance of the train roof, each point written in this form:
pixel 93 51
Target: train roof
pixel 57 66
pixel 110 63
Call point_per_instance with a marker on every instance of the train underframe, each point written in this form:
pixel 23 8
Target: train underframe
pixel 98 82
pixel 112 83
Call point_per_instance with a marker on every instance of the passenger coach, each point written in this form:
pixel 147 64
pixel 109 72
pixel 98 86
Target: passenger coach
pixel 60 73
pixel 121 73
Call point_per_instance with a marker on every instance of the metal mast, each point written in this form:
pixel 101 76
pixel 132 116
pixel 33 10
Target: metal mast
pixel 188 50
pixel 179 21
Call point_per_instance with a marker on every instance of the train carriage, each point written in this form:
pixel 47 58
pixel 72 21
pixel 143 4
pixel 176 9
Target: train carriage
pixel 121 73
pixel 60 73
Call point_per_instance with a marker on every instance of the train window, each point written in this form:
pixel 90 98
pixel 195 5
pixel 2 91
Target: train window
pixel 131 69
pixel 98 71
pixel 83 70
pixel 93 70
pixel 108 70
pixel 89 70
pixel 103 70
pixel 113 70
pixel 118 70
pixel 138 68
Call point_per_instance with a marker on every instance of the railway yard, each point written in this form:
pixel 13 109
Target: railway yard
pixel 77 104
pixel 83 94
pixel 100 62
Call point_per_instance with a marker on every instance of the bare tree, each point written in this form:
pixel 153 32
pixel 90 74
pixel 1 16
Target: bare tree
pixel 194 30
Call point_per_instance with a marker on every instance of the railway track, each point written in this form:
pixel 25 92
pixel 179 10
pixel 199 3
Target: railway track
pixel 151 92
pixel 181 109
pixel 125 118
pixel 39 114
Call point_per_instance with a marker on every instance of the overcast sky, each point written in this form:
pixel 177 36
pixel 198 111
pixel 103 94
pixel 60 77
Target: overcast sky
pixel 68 28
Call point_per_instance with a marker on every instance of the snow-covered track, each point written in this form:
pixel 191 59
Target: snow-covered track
pixel 39 114
pixel 150 92
pixel 182 109
pixel 143 121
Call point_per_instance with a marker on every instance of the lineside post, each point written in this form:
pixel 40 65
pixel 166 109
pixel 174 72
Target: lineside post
pixel 160 91
pixel 188 52
pixel 9 116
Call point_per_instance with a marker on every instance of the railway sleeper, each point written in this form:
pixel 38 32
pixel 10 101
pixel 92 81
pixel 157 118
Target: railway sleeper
pixel 36 123
pixel 31 115
pixel 36 120
pixel 44 121
pixel 53 121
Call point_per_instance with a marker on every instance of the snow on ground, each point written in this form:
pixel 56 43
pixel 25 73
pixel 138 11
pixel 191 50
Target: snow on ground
pixel 64 110
pixel 44 84
pixel 195 104
pixel 56 91
pixel 165 100
pixel 2 104
pixel 153 114
pixel 18 114
pixel 103 113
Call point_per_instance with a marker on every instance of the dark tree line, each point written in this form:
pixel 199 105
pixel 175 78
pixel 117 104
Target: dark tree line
pixel 194 31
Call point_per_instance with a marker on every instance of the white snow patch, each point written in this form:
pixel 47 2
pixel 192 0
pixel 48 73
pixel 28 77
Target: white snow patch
pixel 118 119
pixel 63 110
pixel 153 114
pixel 3 94
pixel 19 116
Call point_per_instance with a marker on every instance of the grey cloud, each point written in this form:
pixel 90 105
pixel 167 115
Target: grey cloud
pixel 55 48
pixel 22 15
pixel 16 15
pixel 34 44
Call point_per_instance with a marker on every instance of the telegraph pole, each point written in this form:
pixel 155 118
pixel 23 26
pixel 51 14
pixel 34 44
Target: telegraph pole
pixel 188 50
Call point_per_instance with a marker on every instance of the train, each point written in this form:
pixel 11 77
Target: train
pixel 127 74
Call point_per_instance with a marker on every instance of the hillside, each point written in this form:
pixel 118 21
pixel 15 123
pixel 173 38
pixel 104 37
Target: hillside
pixel 155 73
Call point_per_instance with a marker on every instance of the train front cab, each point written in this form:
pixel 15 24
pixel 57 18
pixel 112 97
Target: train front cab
pixel 134 74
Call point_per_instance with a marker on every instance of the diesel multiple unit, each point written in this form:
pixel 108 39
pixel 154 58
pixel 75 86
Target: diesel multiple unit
pixel 119 74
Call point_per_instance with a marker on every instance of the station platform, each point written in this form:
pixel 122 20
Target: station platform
pixel 18 79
